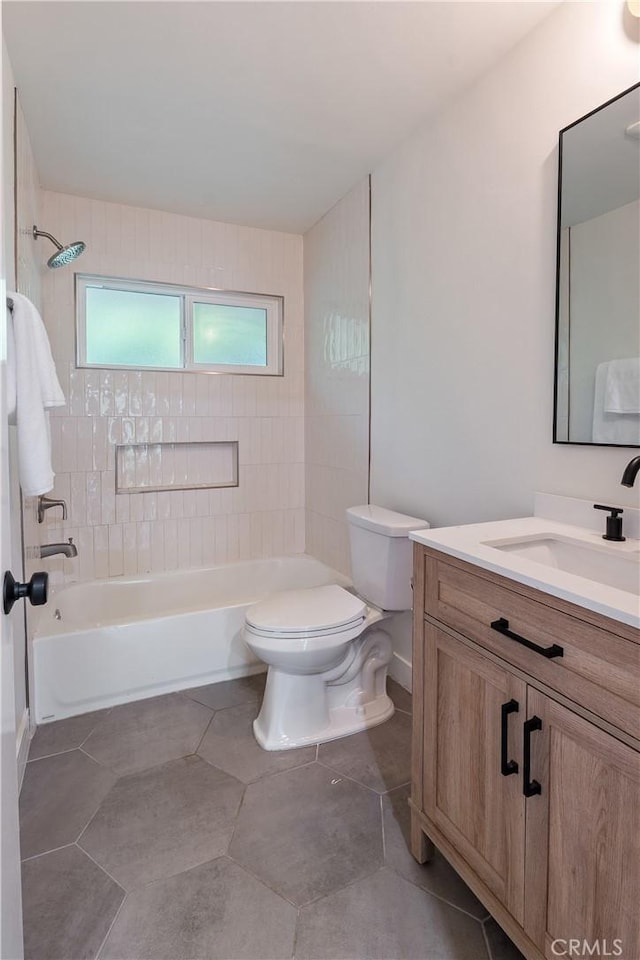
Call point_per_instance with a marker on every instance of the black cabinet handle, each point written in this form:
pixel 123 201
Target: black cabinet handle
pixel 35 590
pixel 502 626
pixel 529 787
pixel 507 767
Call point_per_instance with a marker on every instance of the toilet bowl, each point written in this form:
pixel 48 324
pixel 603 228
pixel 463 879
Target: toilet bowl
pixel 326 649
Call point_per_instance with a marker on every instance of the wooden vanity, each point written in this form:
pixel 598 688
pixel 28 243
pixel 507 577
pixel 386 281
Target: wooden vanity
pixel 526 756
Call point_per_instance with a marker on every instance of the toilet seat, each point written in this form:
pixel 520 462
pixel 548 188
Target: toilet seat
pixel 306 614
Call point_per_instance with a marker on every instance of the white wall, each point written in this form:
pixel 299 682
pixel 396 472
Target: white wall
pixel 134 533
pixel 464 279
pixel 336 293
pixel 463 265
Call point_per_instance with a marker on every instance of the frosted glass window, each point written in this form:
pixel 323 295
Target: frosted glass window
pixel 162 326
pixel 132 329
pixel 228 334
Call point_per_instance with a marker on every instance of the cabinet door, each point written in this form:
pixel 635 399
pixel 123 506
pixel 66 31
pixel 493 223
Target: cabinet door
pixel 477 807
pixel 583 836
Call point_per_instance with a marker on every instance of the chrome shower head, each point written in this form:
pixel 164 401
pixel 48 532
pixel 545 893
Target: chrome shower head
pixel 63 255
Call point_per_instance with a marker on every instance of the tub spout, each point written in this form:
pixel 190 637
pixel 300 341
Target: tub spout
pixel 51 549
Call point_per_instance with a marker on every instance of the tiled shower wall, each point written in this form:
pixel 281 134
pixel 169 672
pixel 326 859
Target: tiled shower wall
pixel 336 270
pixel 138 532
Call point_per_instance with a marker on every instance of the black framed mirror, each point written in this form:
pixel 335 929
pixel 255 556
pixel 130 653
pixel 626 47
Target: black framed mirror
pixel 597 356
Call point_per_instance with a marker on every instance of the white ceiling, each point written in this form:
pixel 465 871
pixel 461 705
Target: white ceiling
pixel 253 113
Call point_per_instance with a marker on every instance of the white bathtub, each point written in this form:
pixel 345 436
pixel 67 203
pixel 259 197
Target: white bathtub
pixel 106 642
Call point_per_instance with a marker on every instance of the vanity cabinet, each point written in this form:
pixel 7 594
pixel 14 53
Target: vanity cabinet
pixel 526 768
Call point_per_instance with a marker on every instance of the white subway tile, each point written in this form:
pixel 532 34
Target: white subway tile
pixel 143 543
pixel 92 393
pixel 129 548
pixel 101 551
pixel 107 399
pixel 116 550
pixel 135 393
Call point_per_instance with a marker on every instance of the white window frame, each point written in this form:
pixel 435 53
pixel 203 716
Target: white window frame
pixel 272 305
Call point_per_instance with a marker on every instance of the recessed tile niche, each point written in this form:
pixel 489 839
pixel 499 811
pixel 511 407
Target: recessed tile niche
pixel 197 465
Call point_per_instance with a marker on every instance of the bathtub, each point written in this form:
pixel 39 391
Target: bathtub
pixel 106 642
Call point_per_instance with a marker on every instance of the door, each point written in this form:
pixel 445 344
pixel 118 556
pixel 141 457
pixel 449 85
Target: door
pixel 473 711
pixel 11 906
pixel 583 837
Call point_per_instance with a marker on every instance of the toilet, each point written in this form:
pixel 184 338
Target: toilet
pixel 326 650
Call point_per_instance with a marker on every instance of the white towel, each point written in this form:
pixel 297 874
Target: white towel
pixel 617 428
pixel 36 389
pixel 622 392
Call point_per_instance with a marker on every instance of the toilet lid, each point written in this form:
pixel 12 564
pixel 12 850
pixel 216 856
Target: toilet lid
pixel 303 611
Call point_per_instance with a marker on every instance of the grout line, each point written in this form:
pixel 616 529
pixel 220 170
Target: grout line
pixel 262 880
pixel 384 839
pixel 486 938
pixel 280 773
pixel 359 783
pixel 345 886
pixel 94 814
pixel 112 924
pixel 236 817
pixel 294 945
pixel 172 876
pixel 99 762
pixel 47 852
pixel 58 753
pixel 436 896
pixel 106 711
pixel 206 729
pixel 100 867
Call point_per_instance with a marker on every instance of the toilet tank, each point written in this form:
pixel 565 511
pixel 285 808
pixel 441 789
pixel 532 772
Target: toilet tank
pixel 382 555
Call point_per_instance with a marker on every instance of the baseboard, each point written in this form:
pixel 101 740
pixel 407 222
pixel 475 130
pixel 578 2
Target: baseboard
pixel 23 739
pixel 400 670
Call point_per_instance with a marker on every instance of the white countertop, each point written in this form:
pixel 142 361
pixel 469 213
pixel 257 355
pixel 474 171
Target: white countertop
pixel 468 542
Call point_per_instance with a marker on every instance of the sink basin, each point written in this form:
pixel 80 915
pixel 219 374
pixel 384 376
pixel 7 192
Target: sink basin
pixel 600 564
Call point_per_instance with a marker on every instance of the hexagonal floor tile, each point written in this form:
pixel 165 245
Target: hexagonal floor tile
pixel 307 832
pixel 58 798
pixel 162 821
pixel 229 743
pixel 144 733
pixel 229 693
pixel 385 916
pixel 402 699
pixel 380 757
pixel 500 946
pixel 61 735
pixel 68 903
pixel 212 912
pixel 436 875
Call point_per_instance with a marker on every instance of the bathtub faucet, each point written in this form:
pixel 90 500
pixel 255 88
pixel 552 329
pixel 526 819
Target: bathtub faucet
pixel 51 549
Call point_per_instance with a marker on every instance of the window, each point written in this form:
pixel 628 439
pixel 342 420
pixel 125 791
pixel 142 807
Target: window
pixel 159 326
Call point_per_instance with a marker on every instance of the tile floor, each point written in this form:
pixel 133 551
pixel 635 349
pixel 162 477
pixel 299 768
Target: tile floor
pixel 159 830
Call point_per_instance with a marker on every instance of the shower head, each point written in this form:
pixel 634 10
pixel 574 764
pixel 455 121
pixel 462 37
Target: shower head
pixel 63 255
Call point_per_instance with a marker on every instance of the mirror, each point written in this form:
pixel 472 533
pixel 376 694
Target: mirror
pixel 597 377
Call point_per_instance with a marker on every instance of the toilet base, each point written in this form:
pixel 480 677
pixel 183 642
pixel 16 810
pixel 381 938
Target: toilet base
pixel 343 721
pixel 302 709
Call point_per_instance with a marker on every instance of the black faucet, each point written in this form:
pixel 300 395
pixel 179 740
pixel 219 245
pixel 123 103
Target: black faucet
pixel 614 523
pixel 630 472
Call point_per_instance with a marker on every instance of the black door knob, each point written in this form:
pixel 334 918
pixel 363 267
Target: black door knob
pixel 36 590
